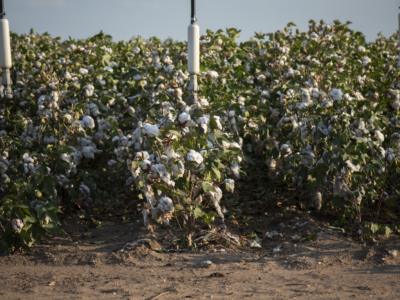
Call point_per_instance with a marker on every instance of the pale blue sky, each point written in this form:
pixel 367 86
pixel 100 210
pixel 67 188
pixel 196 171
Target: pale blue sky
pixel 169 18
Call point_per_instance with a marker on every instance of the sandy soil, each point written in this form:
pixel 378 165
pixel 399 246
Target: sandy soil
pixel 92 263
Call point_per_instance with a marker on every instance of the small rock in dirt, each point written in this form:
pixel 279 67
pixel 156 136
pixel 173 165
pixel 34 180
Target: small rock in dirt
pixel 140 241
pixel 217 274
pixel 221 250
pixel 206 264
pixel 282 225
pixel 253 244
pixel 277 249
pixel 272 234
pixel 393 253
pixel 170 265
pixel 295 238
pixel 241 261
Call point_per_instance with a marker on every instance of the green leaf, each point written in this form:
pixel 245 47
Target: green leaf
pixel 49 183
pixel 207 187
pixel 179 207
pixel 198 213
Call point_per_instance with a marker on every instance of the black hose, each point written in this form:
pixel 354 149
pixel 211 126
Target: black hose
pixel 193 9
pixel 2 14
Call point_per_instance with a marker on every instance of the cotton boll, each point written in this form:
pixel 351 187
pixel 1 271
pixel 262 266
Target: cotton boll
pixel 317 200
pixel 88 152
pixel 379 135
pixel 230 185
pixel 83 71
pixel 215 199
pixel 192 155
pixel 185 120
pixel 166 207
pixel 84 190
pixel 150 130
pixel 17 225
pixel 212 74
pixel 336 94
pixel 88 121
pixel 178 169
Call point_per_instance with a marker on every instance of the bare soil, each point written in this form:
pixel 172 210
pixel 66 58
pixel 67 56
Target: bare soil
pixel 92 263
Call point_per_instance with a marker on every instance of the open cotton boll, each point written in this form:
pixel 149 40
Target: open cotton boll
pixel 17 225
pixel 178 169
pixel 88 152
pixel 83 71
pixel 142 155
pixel 336 94
pixel 185 120
pixel 166 206
pixel 65 157
pixel 212 74
pixel 84 190
pixel 88 121
pixel 160 171
pixel 317 200
pixel 215 199
pixel 150 130
pixel 89 90
pixel 192 155
pixel 229 185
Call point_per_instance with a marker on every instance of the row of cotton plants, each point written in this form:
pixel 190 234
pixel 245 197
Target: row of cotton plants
pixel 321 106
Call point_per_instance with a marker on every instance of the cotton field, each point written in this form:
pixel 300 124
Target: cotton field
pixel 321 107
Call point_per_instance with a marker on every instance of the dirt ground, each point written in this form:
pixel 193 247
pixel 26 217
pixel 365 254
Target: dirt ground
pixel 92 263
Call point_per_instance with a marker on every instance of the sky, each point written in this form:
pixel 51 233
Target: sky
pixel 123 19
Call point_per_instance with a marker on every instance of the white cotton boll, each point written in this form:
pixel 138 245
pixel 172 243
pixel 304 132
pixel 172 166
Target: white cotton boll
pixel 160 171
pixel 192 155
pixel 108 69
pixel 89 90
pixel 67 76
pixel 65 157
pixel 178 169
pixel 131 110
pixel 286 149
pixel 217 120
pixel 185 120
pixel 100 80
pixel 203 122
pixel 265 94
pixel 17 225
pixel 317 200
pixel 215 199
pixel 83 71
pixel 336 94
pixel 250 80
pixel 204 102
pixel 88 152
pixel 169 68
pixel 142 155
pixel 230 185
pixel 146 166
pixel 327 103
pixel 379 135
pixel 84 190
pixel 111 162
pixel 213 74
pixel 89 122
pixel 361 49
pixel 150 130
pixel 235 169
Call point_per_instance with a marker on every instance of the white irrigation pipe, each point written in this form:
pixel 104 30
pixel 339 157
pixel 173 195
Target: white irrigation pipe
pixel 5 53
pixel 193 55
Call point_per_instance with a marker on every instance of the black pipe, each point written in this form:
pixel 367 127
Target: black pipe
pixel 193 11
pixel 2 13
